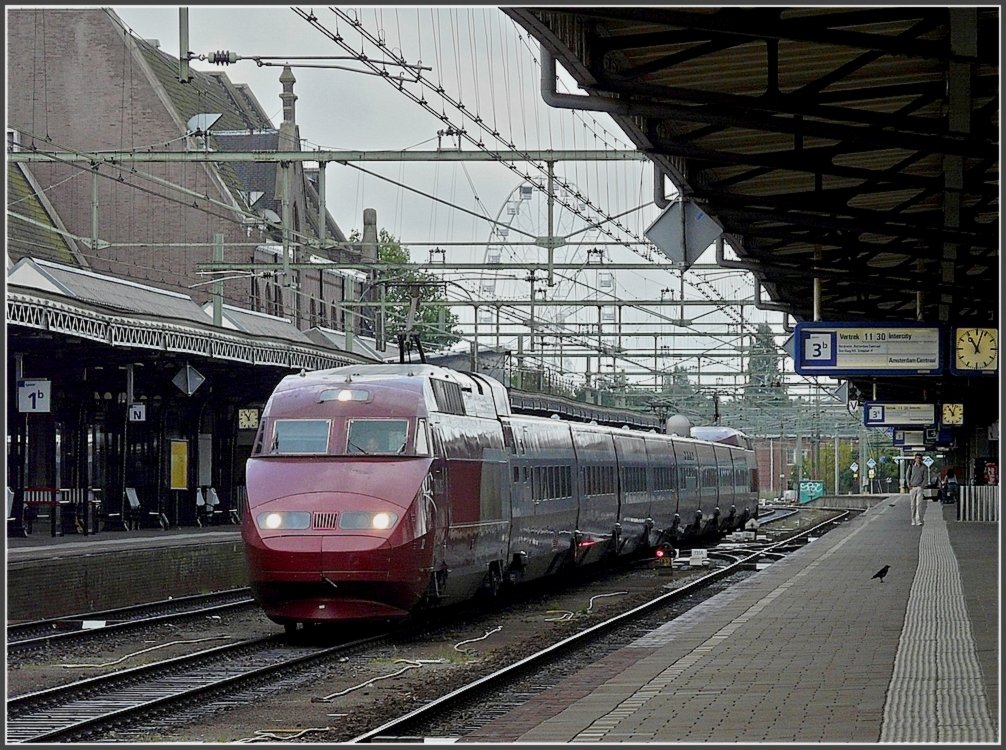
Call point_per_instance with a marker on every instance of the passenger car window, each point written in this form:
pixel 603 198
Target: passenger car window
pixel 293 436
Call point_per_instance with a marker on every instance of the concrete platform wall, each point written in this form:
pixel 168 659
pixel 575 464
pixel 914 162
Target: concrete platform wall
pixel 75 584
pixel 858 502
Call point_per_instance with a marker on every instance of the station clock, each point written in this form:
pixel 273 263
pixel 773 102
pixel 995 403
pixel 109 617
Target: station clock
pixel 976 350
pixel 952 414
pixel 247 419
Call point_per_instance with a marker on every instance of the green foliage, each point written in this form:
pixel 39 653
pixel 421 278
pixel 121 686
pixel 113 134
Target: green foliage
pixel 437 325
pixel 765 381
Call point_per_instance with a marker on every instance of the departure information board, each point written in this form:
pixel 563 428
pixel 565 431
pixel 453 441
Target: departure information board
pixel 868 349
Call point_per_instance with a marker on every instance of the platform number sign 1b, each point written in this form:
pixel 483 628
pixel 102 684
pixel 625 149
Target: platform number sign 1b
pixel 33 396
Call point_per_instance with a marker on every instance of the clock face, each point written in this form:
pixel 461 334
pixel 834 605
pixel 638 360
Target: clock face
pixel 247 419
pixel 976 349
pixel 953 414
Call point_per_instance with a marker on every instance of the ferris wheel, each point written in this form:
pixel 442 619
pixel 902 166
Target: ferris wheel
pixel 572 295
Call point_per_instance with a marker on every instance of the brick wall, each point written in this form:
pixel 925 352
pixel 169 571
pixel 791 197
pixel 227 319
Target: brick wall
pixel 86 89
pixel 59 586
pixel 772 460
pixel 76 81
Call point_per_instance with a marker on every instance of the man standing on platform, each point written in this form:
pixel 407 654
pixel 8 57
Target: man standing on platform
pixel 916 478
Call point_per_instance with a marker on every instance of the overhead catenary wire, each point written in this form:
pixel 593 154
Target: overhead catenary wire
pixel 525 120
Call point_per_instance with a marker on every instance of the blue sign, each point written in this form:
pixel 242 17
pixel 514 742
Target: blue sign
pixel 898 414
pixel 882 348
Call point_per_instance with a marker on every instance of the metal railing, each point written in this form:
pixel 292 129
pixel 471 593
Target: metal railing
pixel 979 503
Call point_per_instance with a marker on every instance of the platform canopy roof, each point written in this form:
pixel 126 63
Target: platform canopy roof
pixel 857 144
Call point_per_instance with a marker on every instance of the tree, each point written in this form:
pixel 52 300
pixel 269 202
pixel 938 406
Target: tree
pixel 436 324
pixel 766 393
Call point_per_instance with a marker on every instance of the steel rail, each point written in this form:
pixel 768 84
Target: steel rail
pixel 59 714
pixel 120 613
pixel 386 732
pixel 71 628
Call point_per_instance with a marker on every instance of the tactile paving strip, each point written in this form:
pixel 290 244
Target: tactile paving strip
pixel 936 692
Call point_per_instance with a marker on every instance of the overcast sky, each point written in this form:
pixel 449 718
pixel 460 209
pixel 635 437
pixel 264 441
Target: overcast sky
pixel 481 58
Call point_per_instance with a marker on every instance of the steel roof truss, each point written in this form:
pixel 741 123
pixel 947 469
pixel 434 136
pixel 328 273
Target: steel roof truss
pixel 756 24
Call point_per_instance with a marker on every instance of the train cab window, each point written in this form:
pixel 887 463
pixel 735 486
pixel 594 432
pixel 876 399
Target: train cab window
pixel 377 436
pixel 422 438
pixel 293 436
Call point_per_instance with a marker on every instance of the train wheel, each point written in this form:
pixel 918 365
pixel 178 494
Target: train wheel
pixel 494 582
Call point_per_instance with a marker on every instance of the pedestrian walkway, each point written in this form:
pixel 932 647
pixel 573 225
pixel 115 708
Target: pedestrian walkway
pixel 811 649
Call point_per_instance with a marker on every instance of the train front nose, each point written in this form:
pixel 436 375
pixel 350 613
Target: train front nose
pixel 336 555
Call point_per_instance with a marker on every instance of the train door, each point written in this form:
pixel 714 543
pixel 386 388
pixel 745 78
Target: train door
pixel 708 478
pixel 597 501
pixel 724 479
pixel 521 509
pixel 440 510
pixel 634 498
pixel 664 503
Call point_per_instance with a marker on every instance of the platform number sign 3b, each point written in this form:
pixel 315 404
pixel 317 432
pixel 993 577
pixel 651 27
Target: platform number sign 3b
pixel 33 396
pixel 819 348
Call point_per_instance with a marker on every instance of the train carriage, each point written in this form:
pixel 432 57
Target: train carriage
pixel 597 494
pixel 377 489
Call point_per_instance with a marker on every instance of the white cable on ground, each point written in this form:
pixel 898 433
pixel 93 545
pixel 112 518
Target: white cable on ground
pixel 137 653
pixel 488 633
pixel 261 735
pixel 566 615
pixel 410 664
pixel 590 604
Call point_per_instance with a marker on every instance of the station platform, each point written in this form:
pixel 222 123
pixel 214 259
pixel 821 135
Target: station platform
pixel 74 574
pixel 812 649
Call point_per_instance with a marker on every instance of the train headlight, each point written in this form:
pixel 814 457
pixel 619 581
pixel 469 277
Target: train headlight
pixel 283 520
pixel 362 520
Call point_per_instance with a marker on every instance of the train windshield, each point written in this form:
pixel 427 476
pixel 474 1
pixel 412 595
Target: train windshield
pixel 377 436
pixel 300 436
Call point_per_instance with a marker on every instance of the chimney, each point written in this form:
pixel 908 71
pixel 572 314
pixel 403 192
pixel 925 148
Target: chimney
pixel 369 237
pixel 288 97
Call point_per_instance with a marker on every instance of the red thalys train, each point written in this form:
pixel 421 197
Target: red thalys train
pixel 374 489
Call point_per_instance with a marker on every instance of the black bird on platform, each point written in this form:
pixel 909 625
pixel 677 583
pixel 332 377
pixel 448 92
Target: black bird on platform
pixel 881 573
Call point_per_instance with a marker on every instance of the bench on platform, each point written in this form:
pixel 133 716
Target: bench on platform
pixel 213 504
pixel 135 512
pixel 81 509
pixel 43 504
pixel 207 506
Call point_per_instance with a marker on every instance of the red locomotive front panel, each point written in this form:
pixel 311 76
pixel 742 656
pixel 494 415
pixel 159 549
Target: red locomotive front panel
pixel 337 539
pixel 339 522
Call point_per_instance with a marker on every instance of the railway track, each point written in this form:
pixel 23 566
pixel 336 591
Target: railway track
pixel 100 707
pixel 86 708
pixel 40 634
pixel 480 692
